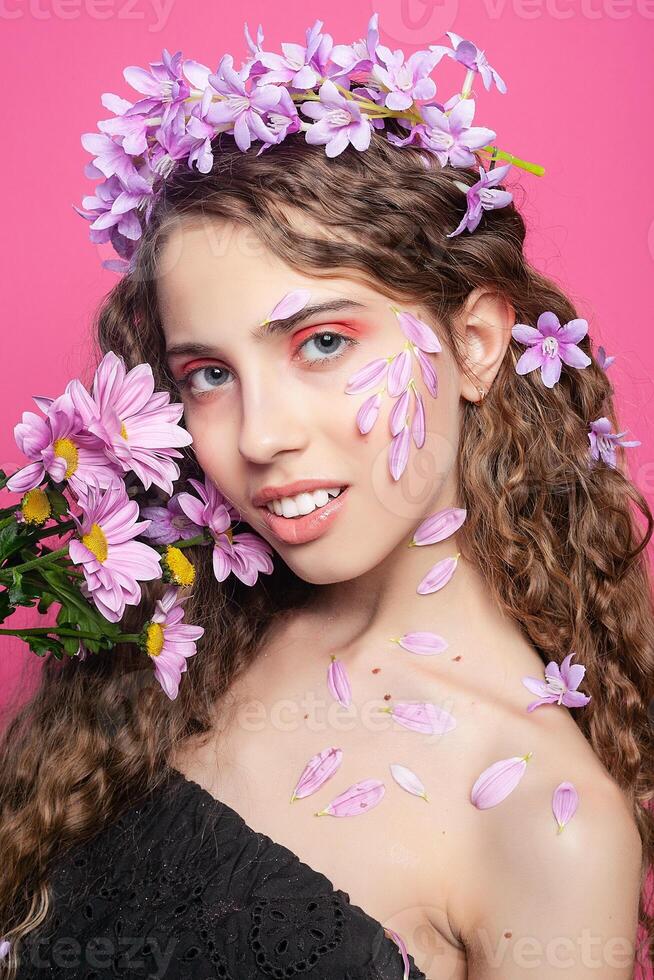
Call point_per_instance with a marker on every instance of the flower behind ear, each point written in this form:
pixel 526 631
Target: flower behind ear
pixel 549 344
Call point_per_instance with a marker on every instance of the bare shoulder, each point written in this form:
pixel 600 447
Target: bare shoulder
pixel 531 897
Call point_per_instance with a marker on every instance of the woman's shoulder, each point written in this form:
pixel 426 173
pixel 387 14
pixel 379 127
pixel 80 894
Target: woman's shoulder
pixel 518 834
pixel 180 885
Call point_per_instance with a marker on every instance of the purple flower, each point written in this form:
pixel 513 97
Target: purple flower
pixel 549 344
pixel 603 441
pixel 113 213
pixel 482 198
pixel 282 120
pixel 406 82
pixel 168 523
pixel 241 108
pixel 560 685
pixel 361 56
pixel 451 137
pixel 340 121
pixel 163 85
pixel 603 359
pixel 112 159
pixel 468 54
pixel 296 67
pixel 244 554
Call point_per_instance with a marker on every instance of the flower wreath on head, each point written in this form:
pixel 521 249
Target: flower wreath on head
pixel 336 94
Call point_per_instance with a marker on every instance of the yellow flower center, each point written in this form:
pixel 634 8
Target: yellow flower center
pixel 36 506
pixel 67 449
pixel 154 639
pixel 230 534
pixel 181 570
pixel 123 430
pixel 96 542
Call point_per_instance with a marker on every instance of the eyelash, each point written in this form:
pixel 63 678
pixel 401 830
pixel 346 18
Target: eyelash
pixel 184 382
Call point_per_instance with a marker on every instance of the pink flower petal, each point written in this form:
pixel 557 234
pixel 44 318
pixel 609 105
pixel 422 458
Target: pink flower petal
pixel 398 417
pixel 405 953
pixel 428 373
pixel 292 303
pixel 408 780
pixel 398 453
pixel 356 799
pixel 546 699
pixel 498 780
pixel 439 526
pixel 317 771
pixel 565 801
pixel 438 575
pixel 418 332
pixel 367 376
pixel 418 421
pixel 399 373
pixel 338 682
pixel 422 716
pixel 535 686
pixel 368 413
pixel 422 642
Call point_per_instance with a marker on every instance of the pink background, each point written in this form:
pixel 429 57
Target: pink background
pixel 580 81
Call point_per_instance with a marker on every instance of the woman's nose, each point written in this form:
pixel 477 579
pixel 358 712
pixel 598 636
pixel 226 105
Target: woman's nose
pixel 273 419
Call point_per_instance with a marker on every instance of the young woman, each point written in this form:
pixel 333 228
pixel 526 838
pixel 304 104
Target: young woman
pixel 128 814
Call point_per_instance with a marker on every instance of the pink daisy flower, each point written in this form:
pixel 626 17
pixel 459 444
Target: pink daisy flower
pixel 59 447
pixel 135 423
pixel 244 554
pixel 170 642
pixel 112 562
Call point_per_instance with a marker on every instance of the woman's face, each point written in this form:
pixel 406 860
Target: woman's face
pixel 268 407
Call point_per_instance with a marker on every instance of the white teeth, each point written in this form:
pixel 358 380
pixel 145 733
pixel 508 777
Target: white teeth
pixel 302 503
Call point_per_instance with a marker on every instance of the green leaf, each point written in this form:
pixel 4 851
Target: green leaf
pixel 45 601
pixel 70 644
pixel 6 608
pixel 24 589
pixel 75 608
pixel 42 644
pixel 58 502
pixel 3 479
pixel 8 541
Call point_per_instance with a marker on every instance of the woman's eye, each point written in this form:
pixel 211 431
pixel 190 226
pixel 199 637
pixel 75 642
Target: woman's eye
pixel 328 343
pixel 329 347
pixel 202 373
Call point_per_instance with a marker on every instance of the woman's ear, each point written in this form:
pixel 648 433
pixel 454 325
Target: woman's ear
pixel 484 331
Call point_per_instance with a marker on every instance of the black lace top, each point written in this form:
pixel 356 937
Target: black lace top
pixel 181 887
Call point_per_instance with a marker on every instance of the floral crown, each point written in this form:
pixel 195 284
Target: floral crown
pixel 344 91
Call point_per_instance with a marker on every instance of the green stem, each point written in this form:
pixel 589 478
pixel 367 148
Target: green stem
pixel 189 542
pixel 47 630
pixel 63 528
pixel 532 168
pixel 35 562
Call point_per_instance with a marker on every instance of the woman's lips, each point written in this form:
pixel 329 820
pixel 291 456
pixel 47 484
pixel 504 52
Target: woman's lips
pixel 299 530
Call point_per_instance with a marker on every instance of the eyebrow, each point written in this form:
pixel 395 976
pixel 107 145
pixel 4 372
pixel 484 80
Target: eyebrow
pixel 274 327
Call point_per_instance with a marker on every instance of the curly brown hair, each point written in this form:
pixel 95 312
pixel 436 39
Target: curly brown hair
pixel 561 544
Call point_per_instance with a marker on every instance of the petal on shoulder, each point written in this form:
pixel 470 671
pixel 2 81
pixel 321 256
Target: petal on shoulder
pixel 556 902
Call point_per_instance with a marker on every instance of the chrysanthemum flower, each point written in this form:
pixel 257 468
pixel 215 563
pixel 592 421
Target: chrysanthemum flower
pixel 169 523
pixel 112 562
pixel 244 554
pixel 59 447
pixel 135 423
pixel 168 641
